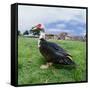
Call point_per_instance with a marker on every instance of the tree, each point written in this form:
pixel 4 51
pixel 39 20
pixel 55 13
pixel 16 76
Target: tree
pixel 62 35
pixel 26 32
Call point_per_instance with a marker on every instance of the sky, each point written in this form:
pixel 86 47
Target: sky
pixel 55 20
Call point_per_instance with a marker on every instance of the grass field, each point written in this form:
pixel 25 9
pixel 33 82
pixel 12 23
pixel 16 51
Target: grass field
pixel 30 60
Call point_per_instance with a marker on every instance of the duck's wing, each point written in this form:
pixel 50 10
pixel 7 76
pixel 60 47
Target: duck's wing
pixel 55 53
pixel 58 48
pixel 55 46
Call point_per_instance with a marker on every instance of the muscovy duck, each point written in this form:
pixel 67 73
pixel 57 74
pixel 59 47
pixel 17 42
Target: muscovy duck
pixel 52 52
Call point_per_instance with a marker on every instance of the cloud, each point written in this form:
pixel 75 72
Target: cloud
pixel 61 25
pixel 53 31
pixel 54 19
pixel 58 31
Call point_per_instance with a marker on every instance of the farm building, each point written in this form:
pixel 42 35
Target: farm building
pixel 68 37
pixel 62 35
pixel 51 36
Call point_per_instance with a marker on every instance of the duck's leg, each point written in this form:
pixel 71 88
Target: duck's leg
pixel 47 65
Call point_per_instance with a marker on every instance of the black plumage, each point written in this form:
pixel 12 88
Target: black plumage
pixel 55 53
pixel 51 51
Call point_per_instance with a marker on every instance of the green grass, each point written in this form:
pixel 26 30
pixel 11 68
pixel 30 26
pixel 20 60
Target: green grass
pixel 30 60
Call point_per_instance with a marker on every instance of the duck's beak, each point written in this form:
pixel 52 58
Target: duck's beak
pixel 34 28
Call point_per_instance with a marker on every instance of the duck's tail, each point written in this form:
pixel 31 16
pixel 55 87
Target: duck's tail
pixel 67 60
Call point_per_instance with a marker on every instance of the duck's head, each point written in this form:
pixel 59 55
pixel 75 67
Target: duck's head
pixel 40 27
